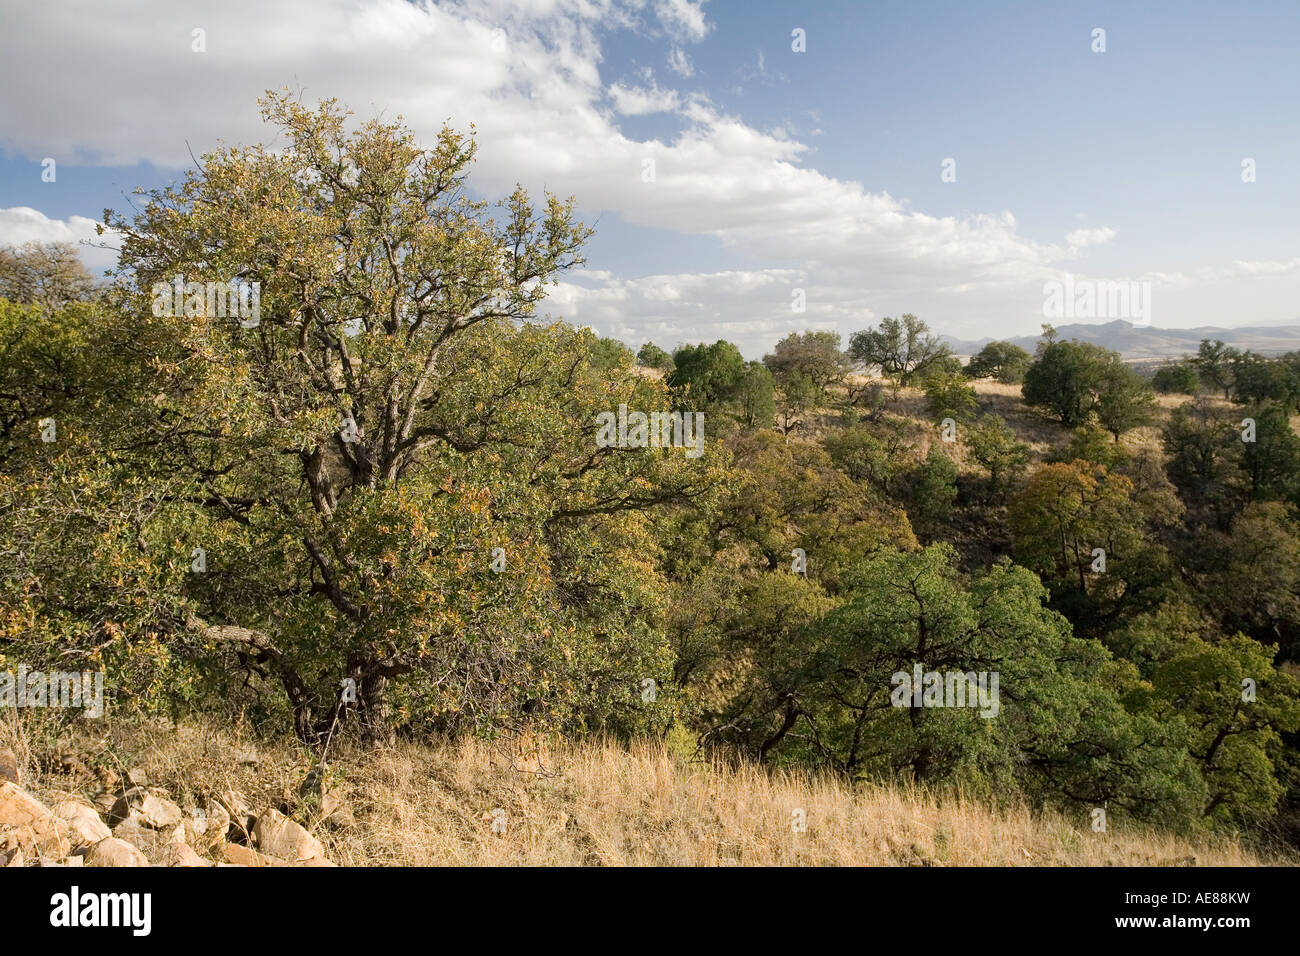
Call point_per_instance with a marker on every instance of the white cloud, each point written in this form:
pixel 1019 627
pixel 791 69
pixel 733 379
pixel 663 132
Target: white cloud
pixel 1258 268
pixel 680 63
pixel 528 74
pixel 1083 238
pixel 684 18
pixel 640 101
pixel 22 224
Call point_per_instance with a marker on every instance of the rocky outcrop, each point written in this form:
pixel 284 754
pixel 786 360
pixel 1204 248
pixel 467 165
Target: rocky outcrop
pixel 144 827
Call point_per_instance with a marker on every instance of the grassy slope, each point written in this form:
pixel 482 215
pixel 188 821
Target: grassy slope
pixel 599 803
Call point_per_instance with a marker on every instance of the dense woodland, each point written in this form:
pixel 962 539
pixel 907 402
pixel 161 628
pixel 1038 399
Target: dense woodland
pixel 393 477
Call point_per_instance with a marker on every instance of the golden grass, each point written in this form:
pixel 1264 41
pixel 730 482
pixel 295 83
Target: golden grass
pixel 601 803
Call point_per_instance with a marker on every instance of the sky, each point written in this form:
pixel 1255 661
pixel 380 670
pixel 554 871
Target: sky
pixel 751 168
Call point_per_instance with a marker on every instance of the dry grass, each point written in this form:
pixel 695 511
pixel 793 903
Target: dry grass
pixel 603 804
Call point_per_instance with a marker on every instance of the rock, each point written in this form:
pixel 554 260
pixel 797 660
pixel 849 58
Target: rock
pixel 218 823
pixel 104 803
pixel 277 835
pixel 152 843
pixel 242 856
pixel 86 826
pixel 148 808
pixel 47 834
pixel 206 827
pixel 335 810
pixel 107 778
pixel 13 858
pixel 179 854
pixel 9 769
pixel 235 803
pixel 113 851
pixel 135 777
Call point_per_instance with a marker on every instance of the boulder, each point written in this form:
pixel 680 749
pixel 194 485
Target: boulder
pixel 152 843
pixel 9 769
pixel 86 826
pixel 237 855
pixel 148 808
pixel 277 835
pixel 206 827
pixel 113 851
pixel 241 817
pixel 135 777
pixel 46 834
pixel 179 854
pixel 335 811
pixel 104 803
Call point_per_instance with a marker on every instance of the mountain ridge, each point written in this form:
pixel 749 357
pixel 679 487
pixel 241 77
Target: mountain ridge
pixel 1149 342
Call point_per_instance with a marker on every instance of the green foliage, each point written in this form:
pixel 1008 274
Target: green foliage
pixel 1204 453
pixel 1124 400
pixel 1077 380
pixel 948 395
pixel 1065 379
pixel 707 376
pixel 814 356
pixel 1058 695
pixel 1065 511
pixel 755 396
pixel 1000 361
pixel 394 477
pixel 993 444
pixel 933 492
pixel 369 554
pixel 609 354
pixel 1215 363
pixel 1177 378
pixel 903 349
pixel 1256 380
pixel 864 455
pixel 797 396
pixel 652 356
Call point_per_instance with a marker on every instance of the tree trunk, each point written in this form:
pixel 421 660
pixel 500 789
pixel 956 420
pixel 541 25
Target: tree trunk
pixel 372 702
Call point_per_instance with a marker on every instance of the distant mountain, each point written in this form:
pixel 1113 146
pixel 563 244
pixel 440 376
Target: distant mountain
pixel 1147 343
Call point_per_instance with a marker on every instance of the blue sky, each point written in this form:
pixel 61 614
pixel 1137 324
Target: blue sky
pixel 775 170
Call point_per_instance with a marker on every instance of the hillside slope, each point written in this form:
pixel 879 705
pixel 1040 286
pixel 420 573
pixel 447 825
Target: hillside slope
pixel 598 804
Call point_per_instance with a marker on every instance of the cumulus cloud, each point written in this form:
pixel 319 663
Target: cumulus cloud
pixel 22 224
pixel 528 75
pixel 683 18
pixel 1083 238
pixel 640 101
